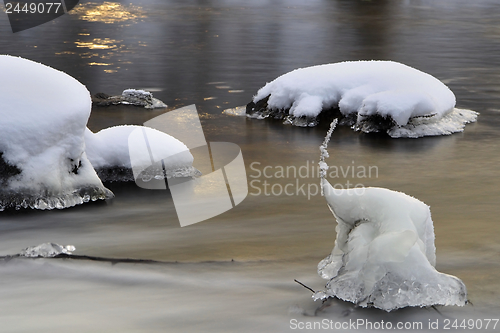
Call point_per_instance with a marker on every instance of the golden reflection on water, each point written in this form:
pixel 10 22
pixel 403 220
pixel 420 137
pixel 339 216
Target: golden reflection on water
pixel 108 12
pixel 99 44
pixel 98 64
pixel 102 48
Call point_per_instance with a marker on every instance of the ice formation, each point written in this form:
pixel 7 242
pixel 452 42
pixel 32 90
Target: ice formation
pixel 43 163
pixel 384 254
pixel 371 96
pixel 46 250
pixel 109 152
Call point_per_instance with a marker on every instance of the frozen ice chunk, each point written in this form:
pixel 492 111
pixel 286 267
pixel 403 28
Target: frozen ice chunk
pixel 372 96
pixel 237 111
pixel 43 116
pixel 46 250
pixel 384 254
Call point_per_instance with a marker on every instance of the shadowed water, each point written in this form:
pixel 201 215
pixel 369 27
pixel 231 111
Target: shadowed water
pixel 236 271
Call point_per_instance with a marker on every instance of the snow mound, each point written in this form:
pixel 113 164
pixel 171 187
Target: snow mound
pixel 384 254
pixel 43 163
pixel 46 250
pixel 372 96
pixel 109 152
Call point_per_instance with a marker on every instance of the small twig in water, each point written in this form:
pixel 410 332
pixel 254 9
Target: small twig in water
pixel 303 285
pixel 432 306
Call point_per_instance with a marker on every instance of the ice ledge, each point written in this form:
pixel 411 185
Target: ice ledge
pixel 417 127
pixel 394 291
pixel 454 122
pixel 46 201
pixel 123 174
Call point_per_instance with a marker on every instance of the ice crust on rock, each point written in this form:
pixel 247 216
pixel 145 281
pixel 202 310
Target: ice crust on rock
pixel 109 152
pixel 43 164
pixel 371 96
pixel 46 250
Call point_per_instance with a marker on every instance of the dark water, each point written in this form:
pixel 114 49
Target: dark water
pixel 216 54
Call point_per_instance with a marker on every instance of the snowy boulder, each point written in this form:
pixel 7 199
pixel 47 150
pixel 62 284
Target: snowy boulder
pixel 109 151
pixel 43 117
pixel 384 254
pixel 371 96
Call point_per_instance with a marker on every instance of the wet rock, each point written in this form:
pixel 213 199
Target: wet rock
pixel 134 97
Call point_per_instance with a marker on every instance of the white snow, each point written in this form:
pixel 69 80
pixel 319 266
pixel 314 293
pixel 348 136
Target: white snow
pixel 47 155
pixel 384 254
pixel 138 93
pixel 365 89
pixel 43 117
pixel 110 149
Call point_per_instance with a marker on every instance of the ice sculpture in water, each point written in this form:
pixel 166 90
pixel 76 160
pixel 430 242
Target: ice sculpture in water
pixel 43 116
pixel 384 254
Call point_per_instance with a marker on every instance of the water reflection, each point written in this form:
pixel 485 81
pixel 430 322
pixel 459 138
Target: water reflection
pixel 98 43
pixel 370 23
pixel 108 12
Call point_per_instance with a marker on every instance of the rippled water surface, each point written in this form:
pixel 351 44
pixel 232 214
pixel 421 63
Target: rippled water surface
pixel 236 271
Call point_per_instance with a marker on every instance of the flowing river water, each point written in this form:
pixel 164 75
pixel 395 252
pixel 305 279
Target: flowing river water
pixel 236 271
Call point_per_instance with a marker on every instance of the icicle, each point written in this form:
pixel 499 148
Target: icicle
pixel 323 167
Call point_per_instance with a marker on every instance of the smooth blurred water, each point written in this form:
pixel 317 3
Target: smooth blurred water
pixel 216 54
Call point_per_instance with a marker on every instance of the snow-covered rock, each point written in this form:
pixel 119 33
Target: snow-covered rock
pixel 136 97
pixel 384 254
pixel 371 96
pixel 109 152
pixel 43 116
